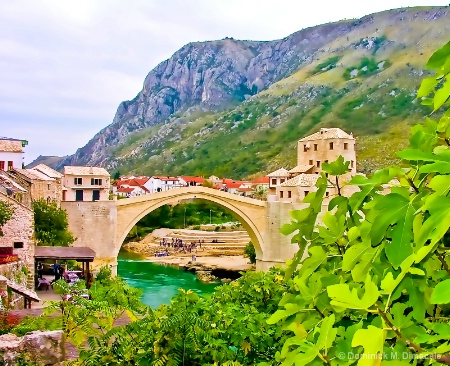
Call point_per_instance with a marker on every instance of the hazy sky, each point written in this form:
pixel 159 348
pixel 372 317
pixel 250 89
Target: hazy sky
pixel 66 65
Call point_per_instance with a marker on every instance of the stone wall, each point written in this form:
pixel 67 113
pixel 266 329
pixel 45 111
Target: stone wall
pixel 37 348
pixel 14 272
pixel 49 190
pixel 94 226
pixel 20 229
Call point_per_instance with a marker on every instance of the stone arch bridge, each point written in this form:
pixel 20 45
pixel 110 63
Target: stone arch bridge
pixel 103 225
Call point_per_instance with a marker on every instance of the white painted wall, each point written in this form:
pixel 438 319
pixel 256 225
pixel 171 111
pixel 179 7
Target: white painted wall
pixel 15 157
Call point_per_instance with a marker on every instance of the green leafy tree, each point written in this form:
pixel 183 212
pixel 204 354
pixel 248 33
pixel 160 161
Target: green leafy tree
pixel 6 214
pixel 375 288
pixel 51 225
pixel 250 253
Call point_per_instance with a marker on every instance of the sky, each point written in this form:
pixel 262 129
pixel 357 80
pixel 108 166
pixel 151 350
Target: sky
pixel 65 65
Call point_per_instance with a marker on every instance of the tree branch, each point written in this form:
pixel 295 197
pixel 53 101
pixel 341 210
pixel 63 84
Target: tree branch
pixel 444 359
pixel 410 344
pixel 338 187
pixel 318 310
pixel 411 183
pixel 441 257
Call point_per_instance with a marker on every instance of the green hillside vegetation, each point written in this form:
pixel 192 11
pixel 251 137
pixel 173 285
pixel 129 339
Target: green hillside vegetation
pixel 260 134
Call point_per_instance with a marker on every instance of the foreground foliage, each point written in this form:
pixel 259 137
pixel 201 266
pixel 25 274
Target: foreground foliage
pixel 226 327
pixel 375 289
pixel 6 214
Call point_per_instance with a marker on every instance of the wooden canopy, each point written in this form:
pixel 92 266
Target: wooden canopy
pixel 80 254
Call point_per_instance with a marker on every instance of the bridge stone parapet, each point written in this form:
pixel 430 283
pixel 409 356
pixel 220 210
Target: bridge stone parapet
pixel 103 226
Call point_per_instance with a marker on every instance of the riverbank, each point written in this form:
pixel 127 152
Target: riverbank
pixel 221 259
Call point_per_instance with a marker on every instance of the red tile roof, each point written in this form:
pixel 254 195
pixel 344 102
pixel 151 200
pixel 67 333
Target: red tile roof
pixel 261 180
pixel 167 178
pixel 233 183
pixel 188 179
pixel 125 190
pixel 141 180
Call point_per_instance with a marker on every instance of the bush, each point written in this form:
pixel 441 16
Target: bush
pixel 250 253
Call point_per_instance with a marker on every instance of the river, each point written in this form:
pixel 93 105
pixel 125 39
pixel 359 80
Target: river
pixel 158 282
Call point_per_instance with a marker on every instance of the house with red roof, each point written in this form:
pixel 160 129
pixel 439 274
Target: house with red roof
pixel 261 183
pixel 240 187
pixel 131 186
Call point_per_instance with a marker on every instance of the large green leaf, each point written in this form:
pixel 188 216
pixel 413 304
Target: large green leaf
pixel 372 340
pixel 395 218
pixel 343 297
pixel 437 223
pixel 337 167
pixel 441 293
pixel 441 95
pixel 439 57
pixel 424 137
pixel 327 334
pixel 427 86
pixel 333 229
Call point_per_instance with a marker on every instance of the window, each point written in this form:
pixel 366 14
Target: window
pixel 96 182
pixel 48 186
pixel 274 182
pixel 10 165
pixel 352 164
pixel 331 146
pixel 281 194
pixel 18 245
pixel 289 194
pixel 78 181
pixel 2 165
pixel 305 149
pixel 327 194
pixel 318 163
pixel 315 147
pixel 282 180
pixel 311 162
pixel 345 146
pixel 306 193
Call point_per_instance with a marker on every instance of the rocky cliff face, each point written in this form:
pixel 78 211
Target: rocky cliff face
pixel 208 77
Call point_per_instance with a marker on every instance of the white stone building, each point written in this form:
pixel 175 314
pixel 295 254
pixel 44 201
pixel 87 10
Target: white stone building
pixel 11 153
pixel 162 184
pixel 83 183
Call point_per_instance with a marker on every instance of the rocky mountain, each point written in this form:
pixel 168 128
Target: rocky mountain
pixel 233 107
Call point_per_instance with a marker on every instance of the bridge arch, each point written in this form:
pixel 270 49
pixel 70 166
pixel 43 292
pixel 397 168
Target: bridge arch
pixel 251 213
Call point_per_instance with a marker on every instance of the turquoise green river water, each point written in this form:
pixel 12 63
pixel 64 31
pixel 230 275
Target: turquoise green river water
pixel 159 283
